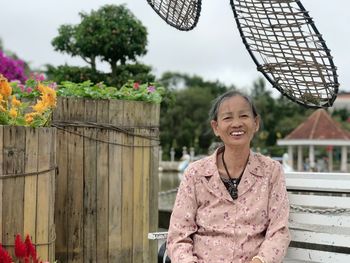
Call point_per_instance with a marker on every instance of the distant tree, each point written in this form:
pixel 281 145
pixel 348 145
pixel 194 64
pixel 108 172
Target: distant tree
pixel 185 121
pixel 111 34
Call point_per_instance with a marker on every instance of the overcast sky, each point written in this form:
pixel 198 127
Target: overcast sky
pixel 212 50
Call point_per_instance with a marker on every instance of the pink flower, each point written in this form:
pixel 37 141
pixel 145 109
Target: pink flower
pixel 22 87
pixel 136 85
pixel 151 89
pixel 29 90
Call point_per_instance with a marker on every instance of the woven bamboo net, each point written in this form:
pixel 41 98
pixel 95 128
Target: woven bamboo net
pixel 181 14
pixel 287 48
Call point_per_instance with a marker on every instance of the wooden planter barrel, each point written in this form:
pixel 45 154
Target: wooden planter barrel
pixel 27 187
pixel 107 187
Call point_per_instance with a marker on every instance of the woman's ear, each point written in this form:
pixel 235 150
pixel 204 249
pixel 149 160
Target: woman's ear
pixel 214 126
pixel 257 123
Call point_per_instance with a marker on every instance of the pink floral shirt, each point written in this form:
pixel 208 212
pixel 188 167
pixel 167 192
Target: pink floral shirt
pixel 208 226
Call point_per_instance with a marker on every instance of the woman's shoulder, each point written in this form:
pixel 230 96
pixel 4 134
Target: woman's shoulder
pixel 266 161
pixel 205 166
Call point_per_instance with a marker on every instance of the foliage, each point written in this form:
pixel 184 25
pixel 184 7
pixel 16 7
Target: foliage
pixel 184 120
pixel 139 72
pixel 27 112
pixel 11 68
pixel 149 92
pixel 111 34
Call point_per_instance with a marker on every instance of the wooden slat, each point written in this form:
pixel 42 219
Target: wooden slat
pixel 61 201
pixel 102 184
pixel 332 239
pixel 309 255
pixel 115 183
pixel 328 182
pixel 30 187
pixel 75 185
pixel 42 229
pixel 319 200
pixel 90 168
pixel 13 188
pixel 52 195
pixel 326 220
pixel 127 184
pixel 138 201
pixel 153 180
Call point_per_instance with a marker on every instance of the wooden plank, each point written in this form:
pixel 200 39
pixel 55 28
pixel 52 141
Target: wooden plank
pixel 326 182
pixel 138 201
pixel 30 184
pixel 127 184
pixel 102 183
pixel 13 188
pixel 154 184
pixel 316 256
pixel 75 184
pixel 331 239
pixel 319 200
pixel 115 183
pixel 61 196
pixel 42 228
pixel 90 168
pixel 321 219
pixel 52 193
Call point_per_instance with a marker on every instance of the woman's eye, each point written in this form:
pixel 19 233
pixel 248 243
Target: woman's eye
pixel 244 116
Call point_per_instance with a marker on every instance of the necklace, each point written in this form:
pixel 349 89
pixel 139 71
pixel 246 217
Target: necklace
pixel 232 183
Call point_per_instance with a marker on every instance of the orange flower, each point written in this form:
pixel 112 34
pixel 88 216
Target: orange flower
pixel 13 113
pixel 15 102
pixel 5 88
pixel 29 117
pixel 40 106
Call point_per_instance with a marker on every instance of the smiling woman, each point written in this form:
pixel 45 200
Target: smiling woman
pixel 233 202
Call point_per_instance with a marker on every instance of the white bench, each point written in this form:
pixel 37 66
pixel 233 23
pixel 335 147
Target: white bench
pixel 319 219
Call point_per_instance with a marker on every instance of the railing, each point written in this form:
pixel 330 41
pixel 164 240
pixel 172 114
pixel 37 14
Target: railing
pixel 319 218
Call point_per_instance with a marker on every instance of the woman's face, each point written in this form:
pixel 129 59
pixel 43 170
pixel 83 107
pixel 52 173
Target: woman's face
pixel 235 123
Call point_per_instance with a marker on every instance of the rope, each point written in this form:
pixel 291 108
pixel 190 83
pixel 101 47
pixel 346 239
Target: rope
pixel 105 126
pixel 53 239
pixel 6 176
pixel 107 142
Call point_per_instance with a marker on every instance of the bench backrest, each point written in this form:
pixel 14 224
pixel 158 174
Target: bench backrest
pixel 319 217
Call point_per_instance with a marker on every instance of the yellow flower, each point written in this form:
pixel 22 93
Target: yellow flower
pixel 29 117
pixel 13 113
pixel 48 95
pixel 40 106
pixel 5 88
pixel 15 102
pixel 2 108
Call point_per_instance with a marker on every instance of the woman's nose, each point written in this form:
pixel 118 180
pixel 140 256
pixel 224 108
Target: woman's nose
pixel 236 122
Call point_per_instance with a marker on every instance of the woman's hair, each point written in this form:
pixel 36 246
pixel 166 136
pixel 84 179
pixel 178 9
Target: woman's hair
pixel 213 113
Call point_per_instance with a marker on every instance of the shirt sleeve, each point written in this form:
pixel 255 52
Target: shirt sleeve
pixel 182 222
pixel 277 237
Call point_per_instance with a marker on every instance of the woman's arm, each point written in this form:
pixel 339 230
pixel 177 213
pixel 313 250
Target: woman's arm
pixel 182 221
pixel 277 237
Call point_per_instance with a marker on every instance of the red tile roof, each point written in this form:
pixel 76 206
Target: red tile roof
pixel 319 126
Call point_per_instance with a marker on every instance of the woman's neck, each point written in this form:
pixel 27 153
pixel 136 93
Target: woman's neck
pixel 235 160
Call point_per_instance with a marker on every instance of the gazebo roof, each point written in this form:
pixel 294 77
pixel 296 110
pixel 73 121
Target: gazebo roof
pixel 318 129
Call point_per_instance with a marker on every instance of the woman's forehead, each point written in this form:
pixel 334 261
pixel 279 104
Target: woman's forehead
pixel 235 103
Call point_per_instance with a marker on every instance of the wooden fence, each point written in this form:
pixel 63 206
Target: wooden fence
pixel 27 187
pixel 106 198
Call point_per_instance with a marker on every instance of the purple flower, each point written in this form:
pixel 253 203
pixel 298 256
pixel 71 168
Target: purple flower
pixel 151 89
pixel 11 68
